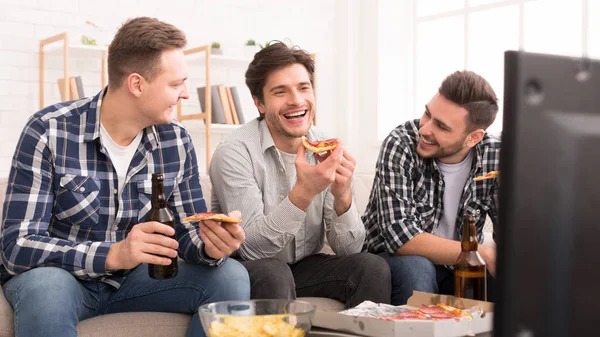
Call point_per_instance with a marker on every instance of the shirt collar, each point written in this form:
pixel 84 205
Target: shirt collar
pixel 92 127
pixel 266 140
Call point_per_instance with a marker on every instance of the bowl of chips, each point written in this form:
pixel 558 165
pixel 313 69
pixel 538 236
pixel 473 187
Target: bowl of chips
pixel 257 318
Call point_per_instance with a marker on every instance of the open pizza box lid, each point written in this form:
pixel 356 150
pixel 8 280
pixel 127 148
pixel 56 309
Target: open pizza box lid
pixel 368 326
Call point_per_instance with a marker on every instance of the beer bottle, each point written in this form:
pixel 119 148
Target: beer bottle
pixel 470 270
pixel 161 213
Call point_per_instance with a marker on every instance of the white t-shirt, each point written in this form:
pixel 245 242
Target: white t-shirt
pixel 120 156
pixel 290 167
pixel 290 172
pixel 455 177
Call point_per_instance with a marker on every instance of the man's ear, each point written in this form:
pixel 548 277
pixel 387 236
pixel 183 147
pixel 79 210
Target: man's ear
pixel 135 84
pixel 259 105
pixel 474 137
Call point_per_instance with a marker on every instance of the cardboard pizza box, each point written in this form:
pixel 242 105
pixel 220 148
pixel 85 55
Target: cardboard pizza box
pixel 367 326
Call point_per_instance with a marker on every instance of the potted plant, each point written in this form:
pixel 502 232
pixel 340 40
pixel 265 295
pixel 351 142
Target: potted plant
pixel 265 45
pixel 250 48
pixel 215 48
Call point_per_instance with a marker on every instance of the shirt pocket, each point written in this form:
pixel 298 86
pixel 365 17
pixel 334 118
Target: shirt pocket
pixel 77 200
pixel 424 207
pixel 144 191
pixel 478 208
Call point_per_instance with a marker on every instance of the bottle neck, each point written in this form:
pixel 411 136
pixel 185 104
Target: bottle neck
pixel 158 195
pixel 469 238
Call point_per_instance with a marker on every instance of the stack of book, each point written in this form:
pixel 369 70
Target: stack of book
pixel 226 106
pixel 75 88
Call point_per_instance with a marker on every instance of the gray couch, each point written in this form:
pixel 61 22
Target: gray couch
pixel 142 324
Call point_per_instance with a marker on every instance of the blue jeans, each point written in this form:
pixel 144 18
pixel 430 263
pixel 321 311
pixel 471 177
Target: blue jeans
pixel 49 301
pixel 411 272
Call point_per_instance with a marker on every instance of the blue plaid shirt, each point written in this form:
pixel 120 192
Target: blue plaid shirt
pixel 62 206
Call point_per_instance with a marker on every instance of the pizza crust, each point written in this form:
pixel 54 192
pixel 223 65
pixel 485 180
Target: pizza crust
pixel 489 175
pixel 212 216
pixel 320 145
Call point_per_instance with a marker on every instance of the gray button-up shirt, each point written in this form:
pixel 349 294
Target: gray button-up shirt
pixel 248 174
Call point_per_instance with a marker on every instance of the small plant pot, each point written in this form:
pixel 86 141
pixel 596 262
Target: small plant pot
pixel 249 51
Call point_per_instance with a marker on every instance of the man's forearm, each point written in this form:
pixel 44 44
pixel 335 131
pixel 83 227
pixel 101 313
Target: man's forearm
pixel 437 249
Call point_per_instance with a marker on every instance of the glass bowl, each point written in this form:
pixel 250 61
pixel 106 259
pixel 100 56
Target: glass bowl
pixel 265 318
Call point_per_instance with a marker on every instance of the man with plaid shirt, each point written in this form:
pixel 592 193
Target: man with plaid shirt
pixel 424 186
pixel 74 240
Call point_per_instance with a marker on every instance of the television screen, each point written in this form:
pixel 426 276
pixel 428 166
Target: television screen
pixel 549 230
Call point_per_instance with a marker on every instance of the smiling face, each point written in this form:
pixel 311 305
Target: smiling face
pixel 443 131
pixel 159 97
pixel 288 103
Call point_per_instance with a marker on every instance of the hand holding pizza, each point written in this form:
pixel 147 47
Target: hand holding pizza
pixel 341 186
pixel 313 179
pixel 221 234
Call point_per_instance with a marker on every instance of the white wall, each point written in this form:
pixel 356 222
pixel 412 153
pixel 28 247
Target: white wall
pixel 334 29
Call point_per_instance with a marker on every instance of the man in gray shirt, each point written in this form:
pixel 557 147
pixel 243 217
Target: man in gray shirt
pixel 290 198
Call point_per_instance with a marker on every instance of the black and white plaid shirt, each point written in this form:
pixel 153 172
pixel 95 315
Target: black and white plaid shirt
pixel 407 194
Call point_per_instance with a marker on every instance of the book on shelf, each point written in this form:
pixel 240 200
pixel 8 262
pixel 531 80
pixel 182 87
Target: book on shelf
pixel 226 106
pixel 75 88
pixel 225 103
pixel 234 114
pixel 238 105
pixel 217 115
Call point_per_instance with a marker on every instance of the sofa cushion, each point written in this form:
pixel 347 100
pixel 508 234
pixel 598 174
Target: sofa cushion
pixel 135 324
pixel 324 304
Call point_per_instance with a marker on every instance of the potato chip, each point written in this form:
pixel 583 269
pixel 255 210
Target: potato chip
pixel 255 326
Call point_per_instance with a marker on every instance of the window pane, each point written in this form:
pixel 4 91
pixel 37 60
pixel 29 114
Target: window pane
pixel 593 29
pixel 431 7
pixel 553 27
pixel 491 33
pixel 475 3
pixel 395 87
pixel 440 52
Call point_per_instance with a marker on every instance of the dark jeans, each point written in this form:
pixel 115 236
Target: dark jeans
pixel 350 279
pixel 412 272
pixel 49 301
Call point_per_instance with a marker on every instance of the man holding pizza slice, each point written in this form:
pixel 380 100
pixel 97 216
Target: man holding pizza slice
pixel 425 182
pixel 291 198
pixel 74 237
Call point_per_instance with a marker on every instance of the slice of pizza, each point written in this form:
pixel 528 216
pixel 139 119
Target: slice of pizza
pixel 489 175
pixel 320 145
pixel 212 216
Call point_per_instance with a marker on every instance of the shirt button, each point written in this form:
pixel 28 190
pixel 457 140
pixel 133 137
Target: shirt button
pixel 441 183
pixel 82 189
pixel 281 196
pixel 115 191
pixel 281 169
pixel 478 211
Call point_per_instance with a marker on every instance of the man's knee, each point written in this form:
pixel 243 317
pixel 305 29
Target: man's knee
pixel 371 267
pixel 412 268
pixel 46 286
pixel 411 273
pixel 229 281
pixel 271 278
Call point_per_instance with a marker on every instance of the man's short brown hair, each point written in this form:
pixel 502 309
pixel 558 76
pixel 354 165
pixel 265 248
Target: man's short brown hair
pixel 137 48
pixel 475 94
pixel 275 56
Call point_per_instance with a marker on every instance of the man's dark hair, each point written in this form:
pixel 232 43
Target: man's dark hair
pixel 137 48
pixel 275 56
pixel 475 94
